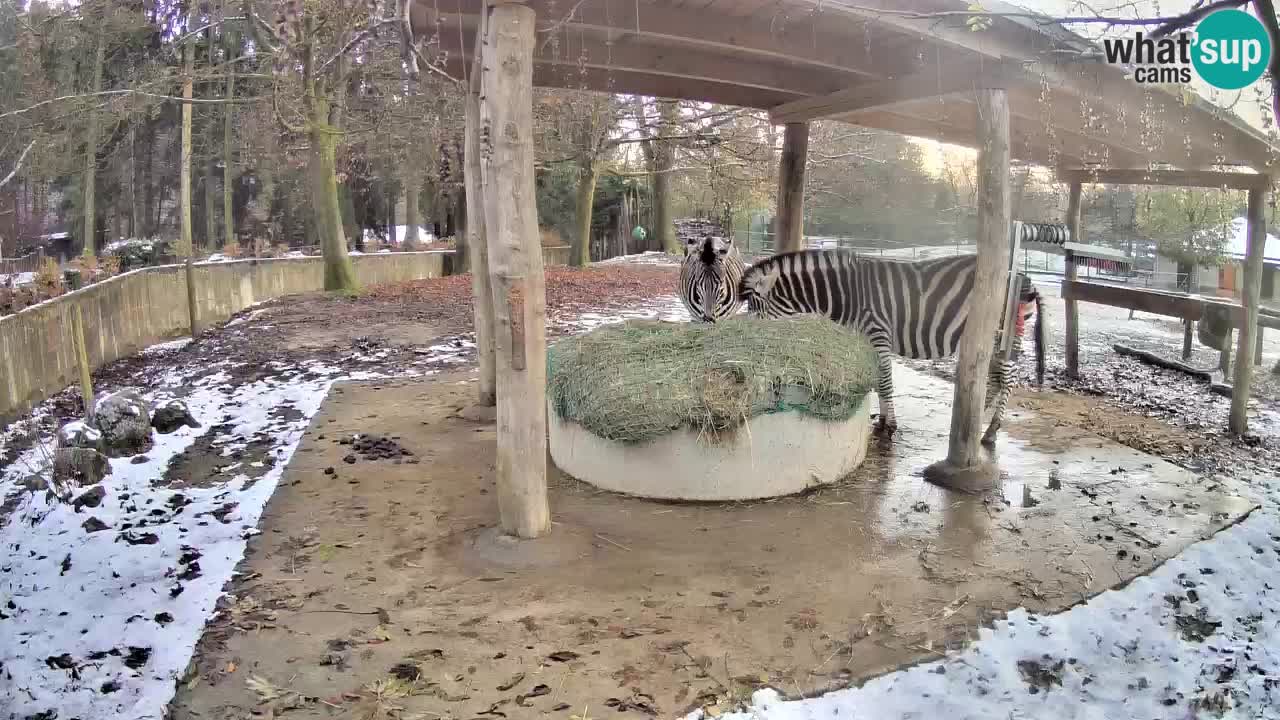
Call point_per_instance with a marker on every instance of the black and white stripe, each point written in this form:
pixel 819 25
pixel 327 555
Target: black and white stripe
pixel 709 278
pixel 916 309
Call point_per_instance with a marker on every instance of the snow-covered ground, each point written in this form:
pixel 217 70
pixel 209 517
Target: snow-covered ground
pixel 1199 637
pixel 101 606
pixel 17 279
pixel 102 600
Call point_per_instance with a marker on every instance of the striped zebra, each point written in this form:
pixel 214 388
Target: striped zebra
pixel 709 278
pixel 916 309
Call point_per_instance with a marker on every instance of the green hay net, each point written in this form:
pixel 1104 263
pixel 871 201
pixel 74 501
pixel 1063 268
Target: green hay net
pixel 634 381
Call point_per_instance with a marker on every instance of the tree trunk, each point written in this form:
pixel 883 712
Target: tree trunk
pixel 186 239
pixel 90 182
pixel 791 173
pixel 211 156
pixel 339 274
pixel 148 186
pixel 228 157
pixel 411 217
pixel 580 254
pixel 461 257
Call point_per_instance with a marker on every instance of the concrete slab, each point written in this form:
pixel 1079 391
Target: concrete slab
pixel 644 605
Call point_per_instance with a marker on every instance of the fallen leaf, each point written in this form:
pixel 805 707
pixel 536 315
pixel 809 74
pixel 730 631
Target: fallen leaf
pixel 514 681
pixel 563 656
pixel 231 667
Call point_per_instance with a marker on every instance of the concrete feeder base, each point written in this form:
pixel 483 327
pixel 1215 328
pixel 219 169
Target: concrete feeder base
pixel 770 456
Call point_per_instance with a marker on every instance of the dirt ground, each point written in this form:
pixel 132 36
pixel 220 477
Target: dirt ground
pixel 380 587
pixel 381 591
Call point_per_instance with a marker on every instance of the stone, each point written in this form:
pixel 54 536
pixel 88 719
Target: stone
pixel 79 434
pixel 77 467
pixel 91 498
pixel 125 422
pixel 171 415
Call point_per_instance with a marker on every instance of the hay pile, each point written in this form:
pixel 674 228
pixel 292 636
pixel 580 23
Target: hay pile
pixel 634 381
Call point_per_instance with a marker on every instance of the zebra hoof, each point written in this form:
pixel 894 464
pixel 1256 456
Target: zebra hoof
pixel 885 431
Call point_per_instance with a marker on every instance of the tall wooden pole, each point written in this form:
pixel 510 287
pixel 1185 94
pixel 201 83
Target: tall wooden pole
pixel 1073 313
pixel 1250 293
pixel 964 466
pixel 515 257
pixel 789 235
pixel 477 249
pixel 82 359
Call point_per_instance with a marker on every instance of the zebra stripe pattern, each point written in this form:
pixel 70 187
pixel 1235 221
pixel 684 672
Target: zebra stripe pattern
pixel 709 278
pixel 916 309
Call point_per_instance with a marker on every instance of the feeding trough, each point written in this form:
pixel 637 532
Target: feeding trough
pixel 737 410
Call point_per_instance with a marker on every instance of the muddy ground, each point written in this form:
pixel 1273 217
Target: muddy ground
pixel 404 328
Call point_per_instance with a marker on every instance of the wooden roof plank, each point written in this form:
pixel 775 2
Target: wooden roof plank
pixel 917 86
pixel 1176 178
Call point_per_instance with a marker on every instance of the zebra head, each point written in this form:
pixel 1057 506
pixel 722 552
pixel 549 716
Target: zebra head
pixel 711 250
pixel 756 290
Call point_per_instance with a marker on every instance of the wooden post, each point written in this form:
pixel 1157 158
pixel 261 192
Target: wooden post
pixel 1257 348
pixel 515 257
pixel 964 466
pixel 1073 313
pixel 82 359
pixel 192 311
pixel 1250 293
pixel 477 249
pixel 1224 356
pixel 791 169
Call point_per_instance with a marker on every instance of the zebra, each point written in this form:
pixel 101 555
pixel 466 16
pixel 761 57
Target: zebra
pixel 709 278
pixel 916 309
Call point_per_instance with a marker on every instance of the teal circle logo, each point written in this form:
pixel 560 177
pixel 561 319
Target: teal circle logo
pixel 1231 49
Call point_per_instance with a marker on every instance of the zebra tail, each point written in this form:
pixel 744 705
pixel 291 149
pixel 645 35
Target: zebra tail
pixel 1041 333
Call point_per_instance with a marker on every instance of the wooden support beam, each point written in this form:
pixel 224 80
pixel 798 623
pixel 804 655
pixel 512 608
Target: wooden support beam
pixel 634 53
pixel 951 131
pixel 817 43
pixel 1250 292
pixel 477 247
pixel 964 465
pixel 515 256
pixel 1185 307
pixel 571 77
pixel 1178 178
pixel 789 234
pixel 1073 313
pixel 917 86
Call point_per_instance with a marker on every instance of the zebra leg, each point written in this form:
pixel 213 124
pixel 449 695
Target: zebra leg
pixel 888 422
pixel 998 389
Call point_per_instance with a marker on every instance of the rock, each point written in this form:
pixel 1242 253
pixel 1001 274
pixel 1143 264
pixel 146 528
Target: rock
pixel 171 415
pixel 125 423
pixel 90 498
pixel 77 467
pixel 93 525
pixel 79 434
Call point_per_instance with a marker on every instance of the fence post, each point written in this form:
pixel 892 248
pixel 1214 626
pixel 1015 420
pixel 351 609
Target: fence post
pixel 82 359
pixel 191 300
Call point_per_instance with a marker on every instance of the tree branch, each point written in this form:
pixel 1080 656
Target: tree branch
pixel 127 91
pixel 17 166
pixel 356 40
pixel 1267 13
pixel 1188 19
pixel 1044 19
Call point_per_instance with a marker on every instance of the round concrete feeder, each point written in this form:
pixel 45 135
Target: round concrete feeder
pixel 768 456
